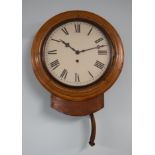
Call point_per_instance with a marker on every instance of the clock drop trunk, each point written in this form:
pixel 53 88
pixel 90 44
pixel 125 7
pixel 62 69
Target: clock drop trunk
pixel 77 108
pixel 80 108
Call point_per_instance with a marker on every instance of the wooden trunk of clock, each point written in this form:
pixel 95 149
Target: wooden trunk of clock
pixel 77 108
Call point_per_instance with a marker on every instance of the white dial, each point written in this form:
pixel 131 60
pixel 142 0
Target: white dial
pixel 77 53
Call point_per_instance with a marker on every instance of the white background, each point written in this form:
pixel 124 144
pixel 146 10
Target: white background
pixel 143 78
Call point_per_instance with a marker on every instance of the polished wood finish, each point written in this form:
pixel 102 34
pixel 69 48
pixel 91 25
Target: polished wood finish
pixel 82 100
pixel 77 108
pixel 72 93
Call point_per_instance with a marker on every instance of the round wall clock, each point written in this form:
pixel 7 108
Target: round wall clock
pixel 77 56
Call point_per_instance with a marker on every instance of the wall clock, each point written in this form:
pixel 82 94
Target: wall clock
pixel 77 56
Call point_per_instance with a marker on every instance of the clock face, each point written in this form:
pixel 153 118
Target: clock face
pixel 77 53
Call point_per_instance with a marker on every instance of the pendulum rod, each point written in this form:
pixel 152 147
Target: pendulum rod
pixel 93 130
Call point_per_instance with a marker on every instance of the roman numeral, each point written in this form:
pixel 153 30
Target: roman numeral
pixel 64 74
pixel 77 79
pixel 55 64
pixel 98 40
pixel 65 31
pixel 90 31
pixel 77 28
pixel 90 74
pixel 99 64
pixel 52 52
pixel 102 52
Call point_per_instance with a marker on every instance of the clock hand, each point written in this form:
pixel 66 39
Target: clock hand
pixel 97 47
pixel 77 51
pixel 68 45
pixel 56 40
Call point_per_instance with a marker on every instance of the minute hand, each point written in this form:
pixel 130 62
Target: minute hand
pixel 97 47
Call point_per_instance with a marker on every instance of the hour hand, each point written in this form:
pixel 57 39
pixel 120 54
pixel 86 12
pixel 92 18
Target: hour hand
pixel 56 40
pixel 68 45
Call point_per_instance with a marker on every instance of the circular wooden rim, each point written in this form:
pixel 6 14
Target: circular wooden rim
pixel 71 93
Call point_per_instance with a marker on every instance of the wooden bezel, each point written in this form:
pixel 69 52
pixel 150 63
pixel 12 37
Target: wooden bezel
pixel 74 93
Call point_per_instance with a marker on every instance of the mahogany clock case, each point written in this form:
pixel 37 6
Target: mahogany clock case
pixel 86 92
